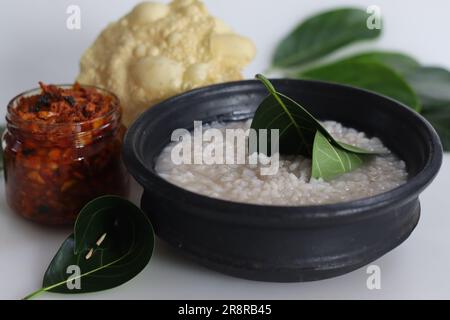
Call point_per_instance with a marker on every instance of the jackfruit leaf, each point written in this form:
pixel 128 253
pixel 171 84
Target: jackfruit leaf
pixel 432 85
pixel 112 242
pixel 298 130
pixel 322 34
pixel 397 61
pixel 330 161
pixel 368 75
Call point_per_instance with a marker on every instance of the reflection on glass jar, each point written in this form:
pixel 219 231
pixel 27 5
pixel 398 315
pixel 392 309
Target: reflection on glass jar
pixel 54 167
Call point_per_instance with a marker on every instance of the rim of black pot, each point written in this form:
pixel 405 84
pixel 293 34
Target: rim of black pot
pixel 256 213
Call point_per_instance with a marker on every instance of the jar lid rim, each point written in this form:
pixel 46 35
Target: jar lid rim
pixel 12 120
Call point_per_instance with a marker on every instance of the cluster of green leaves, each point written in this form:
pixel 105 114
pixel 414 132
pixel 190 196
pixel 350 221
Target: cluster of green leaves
pixel 112 242
pixel 301 133
pixel 397 75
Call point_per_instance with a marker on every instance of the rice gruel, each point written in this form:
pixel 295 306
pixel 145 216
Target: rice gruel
pixel 292 184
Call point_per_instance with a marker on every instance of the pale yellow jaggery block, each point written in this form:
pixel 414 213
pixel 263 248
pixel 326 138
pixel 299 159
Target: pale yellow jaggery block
pixel 159 50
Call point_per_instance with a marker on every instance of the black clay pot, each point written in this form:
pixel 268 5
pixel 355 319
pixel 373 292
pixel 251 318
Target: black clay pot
pixel 282 243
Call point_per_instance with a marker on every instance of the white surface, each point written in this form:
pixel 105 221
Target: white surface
pixel 37 46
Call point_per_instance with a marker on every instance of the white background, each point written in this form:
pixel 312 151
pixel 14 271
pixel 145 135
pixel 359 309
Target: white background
pixel 35 45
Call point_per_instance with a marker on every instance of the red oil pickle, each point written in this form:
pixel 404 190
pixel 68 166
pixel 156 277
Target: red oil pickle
pixel 62 148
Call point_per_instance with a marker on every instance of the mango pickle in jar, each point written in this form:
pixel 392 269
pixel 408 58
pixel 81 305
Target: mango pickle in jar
pixel 62 148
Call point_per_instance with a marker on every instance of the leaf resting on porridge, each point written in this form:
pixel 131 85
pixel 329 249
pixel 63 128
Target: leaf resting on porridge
pixel 300 133
pixel 329 161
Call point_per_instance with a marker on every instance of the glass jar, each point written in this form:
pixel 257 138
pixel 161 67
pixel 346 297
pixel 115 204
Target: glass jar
pixel 52 170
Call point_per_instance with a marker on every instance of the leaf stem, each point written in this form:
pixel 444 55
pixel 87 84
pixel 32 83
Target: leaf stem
pixel 266 83
pixel 274 93
pixel 38 292
pixel 41 290
pixel 35 293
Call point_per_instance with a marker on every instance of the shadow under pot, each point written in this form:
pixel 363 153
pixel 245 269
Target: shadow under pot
pixel 274 242
pixel 56 157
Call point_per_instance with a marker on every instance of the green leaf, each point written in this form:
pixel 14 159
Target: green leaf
pixel 397 61
pixel 372 76
pixel 322 34
pixel 432 85
pixel 355 149
pixel 329 161
pixel 296 126
pixel 112 242
pixel 298 131
pixel 439 117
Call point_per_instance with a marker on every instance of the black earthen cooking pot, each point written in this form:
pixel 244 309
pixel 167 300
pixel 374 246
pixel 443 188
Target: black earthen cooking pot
pixel 284 243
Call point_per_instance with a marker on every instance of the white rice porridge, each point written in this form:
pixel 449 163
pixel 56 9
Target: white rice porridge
pixel 291 185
